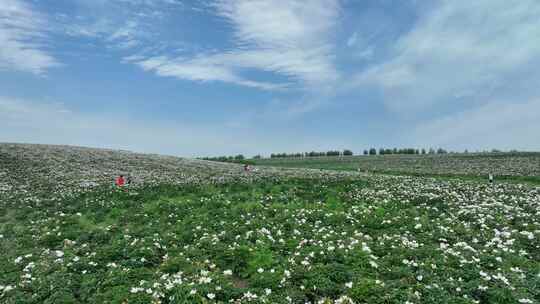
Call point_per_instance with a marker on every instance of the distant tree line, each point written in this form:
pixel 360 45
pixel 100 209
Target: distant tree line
pixel 345 152
pixel 372 151
pixel 383 151
pixel 229 159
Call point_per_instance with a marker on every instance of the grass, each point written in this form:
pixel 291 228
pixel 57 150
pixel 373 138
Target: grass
pixel 190 231
pixel 276 241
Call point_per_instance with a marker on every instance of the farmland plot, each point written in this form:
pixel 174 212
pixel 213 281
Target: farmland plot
pixel 201 232
pixel 509 166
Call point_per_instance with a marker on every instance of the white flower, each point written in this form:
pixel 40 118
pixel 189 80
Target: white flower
pixel 193 291
pixel 348 285
pixel 418 226
pixel 419 278
pixel 227 272
pixel 260 270
pixel 8 288
pixel 205 280
pixel 211 296
pixel 525 301
pixel 59 253
pixel 528 234
pixel 268 291
pixel 136 289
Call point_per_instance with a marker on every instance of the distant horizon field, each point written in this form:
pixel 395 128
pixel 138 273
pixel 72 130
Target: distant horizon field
pixel 506 166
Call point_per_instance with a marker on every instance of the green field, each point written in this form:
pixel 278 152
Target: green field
pixel 515 167
pixel 190 231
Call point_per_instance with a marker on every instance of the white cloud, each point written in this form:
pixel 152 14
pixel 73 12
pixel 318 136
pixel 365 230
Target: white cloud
pixel 126 36
pixel 505 124
pixel 120 24
pixel 127 31
pixel 289 38
pixel 22 33
pixel 459 48
pixel 199 69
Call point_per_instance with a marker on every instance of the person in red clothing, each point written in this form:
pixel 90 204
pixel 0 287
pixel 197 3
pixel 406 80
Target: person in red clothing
pixel 120 181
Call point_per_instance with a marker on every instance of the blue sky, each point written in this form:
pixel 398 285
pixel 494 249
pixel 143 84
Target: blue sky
pixel 201 77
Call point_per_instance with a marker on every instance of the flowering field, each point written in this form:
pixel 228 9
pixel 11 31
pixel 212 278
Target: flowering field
pixel 191 231
pixel 523 166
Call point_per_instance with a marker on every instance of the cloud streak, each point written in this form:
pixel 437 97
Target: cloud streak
pixel 22 34
pixel 458 49
pixel 203 69
pixel 288 38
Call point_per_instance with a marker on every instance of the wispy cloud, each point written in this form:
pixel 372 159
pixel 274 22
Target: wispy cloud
pixel 199 69
pixel 125 37
pixel 456 50
pixel 506 124
pixel 22 36
pixel 288 38
pixel 120 24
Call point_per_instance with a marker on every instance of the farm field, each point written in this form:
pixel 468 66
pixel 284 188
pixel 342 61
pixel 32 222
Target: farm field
pixel 523 166
pixel 191 231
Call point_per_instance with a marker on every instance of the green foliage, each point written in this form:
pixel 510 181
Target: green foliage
pixel 373 241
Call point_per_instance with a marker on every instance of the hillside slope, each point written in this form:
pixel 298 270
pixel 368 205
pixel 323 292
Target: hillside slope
pixel 57 169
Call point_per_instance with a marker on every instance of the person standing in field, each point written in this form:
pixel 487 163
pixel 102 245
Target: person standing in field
pixel 490 178
pixel 120 181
